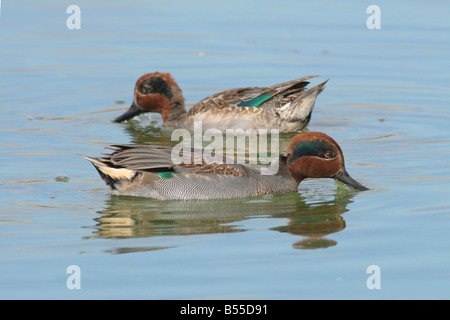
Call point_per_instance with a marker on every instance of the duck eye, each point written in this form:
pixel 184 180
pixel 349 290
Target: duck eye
pixel 329 154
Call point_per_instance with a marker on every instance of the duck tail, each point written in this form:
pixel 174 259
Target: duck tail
pixel 112 175
pixel 301 108
pixel 315 91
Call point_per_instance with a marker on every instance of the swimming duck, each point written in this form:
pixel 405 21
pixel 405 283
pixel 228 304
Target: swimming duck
pixel 286 106
pixel 148 171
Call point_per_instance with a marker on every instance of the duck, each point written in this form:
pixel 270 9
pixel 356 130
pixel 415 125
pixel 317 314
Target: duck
pixel 286 106
pixel 150 171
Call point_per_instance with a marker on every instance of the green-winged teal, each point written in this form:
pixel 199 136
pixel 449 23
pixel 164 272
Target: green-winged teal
pixel 148 171
pixel 286 106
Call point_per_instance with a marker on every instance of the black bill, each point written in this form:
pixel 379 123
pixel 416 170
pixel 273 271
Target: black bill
pixel 133 111
pixel 344 177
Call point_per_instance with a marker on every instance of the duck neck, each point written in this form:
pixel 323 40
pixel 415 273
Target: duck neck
pixel 294 170
pixel 176 113
pixel 285 170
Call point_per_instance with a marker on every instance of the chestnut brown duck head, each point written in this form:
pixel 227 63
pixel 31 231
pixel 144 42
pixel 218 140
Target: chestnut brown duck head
pixel 317 155
pixel 156 92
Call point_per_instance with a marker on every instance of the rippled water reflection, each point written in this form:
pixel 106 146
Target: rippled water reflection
pixel 312 222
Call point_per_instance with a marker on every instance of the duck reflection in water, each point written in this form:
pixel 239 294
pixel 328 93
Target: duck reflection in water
pixel 312 220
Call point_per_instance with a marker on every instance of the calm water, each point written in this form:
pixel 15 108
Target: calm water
pixel 387 104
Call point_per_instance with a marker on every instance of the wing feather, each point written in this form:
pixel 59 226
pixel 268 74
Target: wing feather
pixel 158 159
